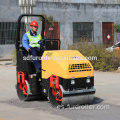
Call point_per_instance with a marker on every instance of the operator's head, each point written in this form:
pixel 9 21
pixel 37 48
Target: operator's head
pixel 34 26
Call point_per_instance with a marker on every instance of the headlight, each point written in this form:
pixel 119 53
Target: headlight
pixel 88 80
pixel 72 82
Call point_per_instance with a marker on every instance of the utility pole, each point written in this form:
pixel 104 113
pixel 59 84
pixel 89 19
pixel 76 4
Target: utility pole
pixel 27 8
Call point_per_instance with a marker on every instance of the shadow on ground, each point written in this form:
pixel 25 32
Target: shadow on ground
pixel 97 101
pixel 41 103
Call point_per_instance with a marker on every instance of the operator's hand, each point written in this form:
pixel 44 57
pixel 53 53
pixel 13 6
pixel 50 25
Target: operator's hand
pixel 28 49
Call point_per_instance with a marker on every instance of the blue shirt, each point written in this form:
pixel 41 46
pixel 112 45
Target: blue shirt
pixel 25 40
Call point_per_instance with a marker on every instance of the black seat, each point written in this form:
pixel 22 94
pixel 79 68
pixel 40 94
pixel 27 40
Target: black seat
pixel 52 44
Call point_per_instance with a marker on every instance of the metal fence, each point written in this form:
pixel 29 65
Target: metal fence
pixel 8 32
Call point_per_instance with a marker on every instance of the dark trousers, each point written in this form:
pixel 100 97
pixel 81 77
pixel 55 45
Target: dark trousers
pixel 35 51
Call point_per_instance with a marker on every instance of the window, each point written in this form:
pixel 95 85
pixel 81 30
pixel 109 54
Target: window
pixel 82 31
pixel 8 32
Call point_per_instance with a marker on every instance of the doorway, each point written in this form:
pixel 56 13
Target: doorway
pixel 107 33
pixel 53 32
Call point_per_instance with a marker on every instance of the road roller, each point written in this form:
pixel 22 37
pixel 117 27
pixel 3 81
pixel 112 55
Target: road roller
pixel 66 76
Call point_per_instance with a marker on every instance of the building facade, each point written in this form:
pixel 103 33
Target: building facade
pixel 89 21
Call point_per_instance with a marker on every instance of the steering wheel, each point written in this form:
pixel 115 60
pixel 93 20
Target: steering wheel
pixel 41 42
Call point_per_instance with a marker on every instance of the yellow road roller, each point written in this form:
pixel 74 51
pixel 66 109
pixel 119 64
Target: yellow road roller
pixel 66 76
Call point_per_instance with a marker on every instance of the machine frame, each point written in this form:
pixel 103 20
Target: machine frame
pixel 57 89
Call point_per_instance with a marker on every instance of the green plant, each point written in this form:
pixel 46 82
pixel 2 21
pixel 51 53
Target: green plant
pixel 117 30
pixel 106 61
pixel 48 20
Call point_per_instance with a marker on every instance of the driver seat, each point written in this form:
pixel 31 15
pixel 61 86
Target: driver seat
pixel 52 44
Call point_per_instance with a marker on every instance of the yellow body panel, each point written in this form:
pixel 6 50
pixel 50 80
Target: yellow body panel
pixel 59 64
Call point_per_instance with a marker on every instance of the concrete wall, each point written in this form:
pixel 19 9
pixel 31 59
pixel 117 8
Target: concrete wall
pixel 9 12
pixel 6 51
pixel 84 1
pixel 66 14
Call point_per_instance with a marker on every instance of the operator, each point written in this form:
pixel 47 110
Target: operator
pixel 30 43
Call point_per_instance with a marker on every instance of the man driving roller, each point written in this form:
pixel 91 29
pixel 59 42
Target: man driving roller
pixel 30 43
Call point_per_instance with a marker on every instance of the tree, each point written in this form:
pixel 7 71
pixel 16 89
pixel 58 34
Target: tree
pixel 48 20
pixel 117 30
